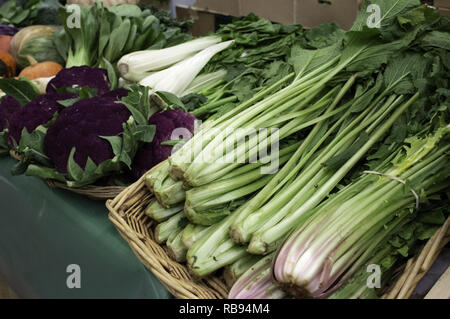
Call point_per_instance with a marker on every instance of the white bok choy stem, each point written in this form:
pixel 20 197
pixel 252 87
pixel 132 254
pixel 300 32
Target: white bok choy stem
pixel 177 78
pixel 137 65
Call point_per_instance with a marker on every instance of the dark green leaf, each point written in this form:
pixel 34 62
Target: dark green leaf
pixel 126 10
pixel 73 169
pixel 145 133
pixel 340 159
pixel 169 98
pixel 112 73
pixel 437 39
pixel 116 144
pixel 68 102
pixel 22 90
pixel 19 168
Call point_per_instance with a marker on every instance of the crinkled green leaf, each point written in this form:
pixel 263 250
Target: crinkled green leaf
pixel 116 144
pixel 126 10
pixel 436 39
pixel 434 217
pixel 22 90
pixel 145 133
pixel 389 10
pixel 74 171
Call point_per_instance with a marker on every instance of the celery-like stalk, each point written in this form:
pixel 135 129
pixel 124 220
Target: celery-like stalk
pixel 256 283
pixel 234 271
pixel 191 234
pixel 348 229
pixel 175 248
pixel 173 225
pixel 159 213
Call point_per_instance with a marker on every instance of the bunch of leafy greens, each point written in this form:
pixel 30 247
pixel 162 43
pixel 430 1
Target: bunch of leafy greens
pixel 259 58
pixel 175 31
pixel 102 35
pixel 355 101
pixel 372 219
pixel 26 13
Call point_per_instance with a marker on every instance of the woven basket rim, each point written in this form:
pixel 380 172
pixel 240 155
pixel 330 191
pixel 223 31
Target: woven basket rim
pixel 90 191
pixel 137 234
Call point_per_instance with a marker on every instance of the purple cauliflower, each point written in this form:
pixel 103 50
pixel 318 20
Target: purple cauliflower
pixel 150 154
pixel 37 112
pixel 80 76
pixel 8 29
pixel 8 105
pixel 81 126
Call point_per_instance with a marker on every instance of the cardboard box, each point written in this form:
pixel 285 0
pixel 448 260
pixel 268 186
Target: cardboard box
pixel 281 11
pixel 205 21
pixel 444 12
pixel 311 13
pixel 442 4
pixel 225 7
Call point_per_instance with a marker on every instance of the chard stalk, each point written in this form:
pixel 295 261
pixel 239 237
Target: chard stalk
pixel 173 225
pixel 175 248
pixel 208 204
pixel 180 161
pixel 191 234
pixel 346 230
pixel 232 272
pixel 256 283
pixel 159 213
pixel 260 240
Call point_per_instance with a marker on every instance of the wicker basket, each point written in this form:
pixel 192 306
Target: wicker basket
pixel 127 214
pixel 91 191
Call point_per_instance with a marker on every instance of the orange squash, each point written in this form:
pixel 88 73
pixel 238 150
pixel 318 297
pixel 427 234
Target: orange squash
pixel 7 65
pixel 5 40
pixel 40 70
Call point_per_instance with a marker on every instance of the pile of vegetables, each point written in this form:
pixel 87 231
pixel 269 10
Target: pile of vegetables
pixel 80 131
pixel 109 33
pixel 339 140
pixel 97 39
pixel 24 13
pixel 73 85
pixel 362 118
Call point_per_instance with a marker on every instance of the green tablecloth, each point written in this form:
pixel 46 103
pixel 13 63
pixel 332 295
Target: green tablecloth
pixel 44 230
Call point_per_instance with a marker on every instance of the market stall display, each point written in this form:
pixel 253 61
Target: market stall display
pixel 345 151
pixel 261 161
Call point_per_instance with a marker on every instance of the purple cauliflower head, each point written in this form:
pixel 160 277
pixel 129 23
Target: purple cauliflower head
pixel 80 76
pixel 8 105
pixel 81 126
pixel 150 154
pixel 37 112
pixel 8 29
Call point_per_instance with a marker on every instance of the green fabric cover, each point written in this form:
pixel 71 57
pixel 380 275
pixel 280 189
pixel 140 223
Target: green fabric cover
pixel 43 230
